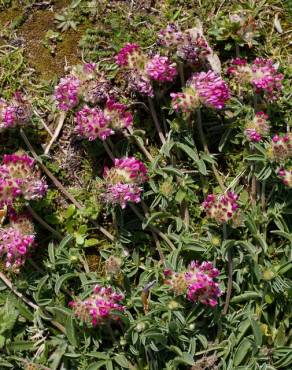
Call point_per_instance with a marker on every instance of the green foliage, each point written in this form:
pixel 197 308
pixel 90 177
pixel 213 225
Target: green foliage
pixel 159 331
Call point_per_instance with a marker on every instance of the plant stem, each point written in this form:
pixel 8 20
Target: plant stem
pixel 152 228
pixel 156 122
pixel 59 186
pixel 237 52
pixel 146 212
pixel 57 131
pixel 263 196
pixel 9 284
pixel 181 74
pixel 206 149
pixel 108 150
pixel 43 222
pixel 140 145
pixel 230 272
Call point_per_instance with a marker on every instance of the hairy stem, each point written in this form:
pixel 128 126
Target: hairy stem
pixel 153 228
pixel 43 222
pixel 108 150
pixel 156 122
pixel 206 149
pixel 140 145
pixel 181 74
pixel 230 272
pixel 263 196
pixel 9 284
pixel 59 186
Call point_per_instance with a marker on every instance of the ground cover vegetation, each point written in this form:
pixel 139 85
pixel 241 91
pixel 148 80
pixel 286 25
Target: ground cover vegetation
pixel 145 185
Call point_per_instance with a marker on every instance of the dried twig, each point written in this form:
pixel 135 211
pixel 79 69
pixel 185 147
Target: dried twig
pixel 57 131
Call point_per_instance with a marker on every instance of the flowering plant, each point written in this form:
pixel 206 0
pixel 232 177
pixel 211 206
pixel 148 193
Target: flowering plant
pixel 147 224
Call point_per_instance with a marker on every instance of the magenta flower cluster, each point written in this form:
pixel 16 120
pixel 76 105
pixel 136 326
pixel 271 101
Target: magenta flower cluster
pixel 286 176
pixel 189 45
pixel 221 208
pixel 16 241
pixel 123 180
pixel 142 70
pixel 99 307
pixel 20 178
pixel 261 74
pixel 84 82
pixel 281 147
pixel 160 69
pixel 266 78
pixel 205 88
pixel 257 128
pixel 197 283
pixel 66 93
pixel 14 113
pixel 94 123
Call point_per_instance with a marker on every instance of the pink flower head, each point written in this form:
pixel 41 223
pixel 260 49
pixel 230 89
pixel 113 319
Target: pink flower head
pixel 161 69
pixel 197 282
pixel 19 172
pixel 15 243
pixel 281 147
pixel 99 307
pixel 92 124
pixel 140 82
pixel 190 45
pixel 118 115
pixel 266 78
pixel 206 88
pixel 9 191
pixel 66 92
pixel 131 170
pixel 211 88
pixel 240 69
pixel 201 285
pixel 186 101
pixel 123 180
pixel 128 55
pixel 221 208
pixel 170 37
pixel 15 113
pixel 258 128
pixel 194 48
pixel 7 115
pixel 122 194
pixel 286 176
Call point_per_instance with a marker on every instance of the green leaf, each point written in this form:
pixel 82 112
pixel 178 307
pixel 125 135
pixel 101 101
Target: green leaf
pixel 70 211
pixel 65 241
pixel 180 196
pixel 258 336
pixel 186 359
pixel 96 365
pixel 188 150
pixel 62 279
pixel 122 361
pixel 91 242
pixel 247 296
pixel 241 352
pixel 202 167
pixel 70 331
pixel 153 217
